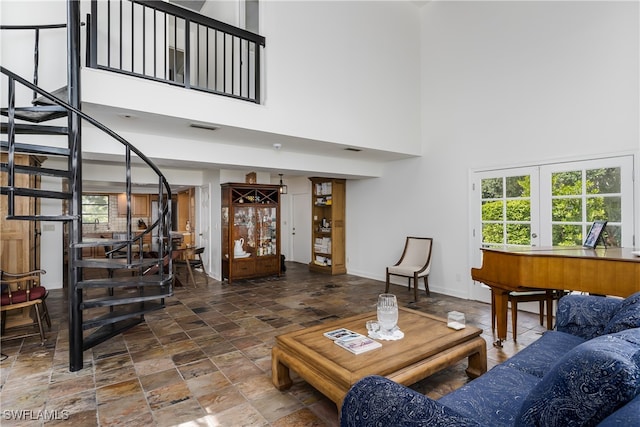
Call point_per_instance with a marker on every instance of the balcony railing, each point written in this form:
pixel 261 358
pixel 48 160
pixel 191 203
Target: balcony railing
pixel 163 42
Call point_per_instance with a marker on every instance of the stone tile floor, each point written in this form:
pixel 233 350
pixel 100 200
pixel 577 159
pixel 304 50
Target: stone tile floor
pixel 205 360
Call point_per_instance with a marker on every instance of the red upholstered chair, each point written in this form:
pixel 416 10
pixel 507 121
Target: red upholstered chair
pixel 22 291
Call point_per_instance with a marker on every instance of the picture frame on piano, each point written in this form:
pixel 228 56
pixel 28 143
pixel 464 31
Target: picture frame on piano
pixel 595 233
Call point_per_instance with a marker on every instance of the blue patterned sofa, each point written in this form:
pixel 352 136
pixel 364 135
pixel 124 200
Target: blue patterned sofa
pixel 585 373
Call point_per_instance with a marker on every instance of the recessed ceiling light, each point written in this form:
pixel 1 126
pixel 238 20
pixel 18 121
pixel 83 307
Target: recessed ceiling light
pixel 203 126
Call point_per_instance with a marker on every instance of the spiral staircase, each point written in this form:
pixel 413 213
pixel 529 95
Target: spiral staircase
pixel 99 308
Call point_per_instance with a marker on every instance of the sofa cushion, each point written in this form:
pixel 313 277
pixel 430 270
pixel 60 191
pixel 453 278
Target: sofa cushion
pixel 585 315
pixel 587 384
pixel 493 399
pixel 538 358
pixel 628 415
pixel 627 315
pixel 378 401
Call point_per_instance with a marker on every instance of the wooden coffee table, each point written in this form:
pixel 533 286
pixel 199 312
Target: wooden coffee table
pixel 428 346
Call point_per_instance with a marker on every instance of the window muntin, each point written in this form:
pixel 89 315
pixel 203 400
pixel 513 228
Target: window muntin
pixel 579 197
pixel 506 210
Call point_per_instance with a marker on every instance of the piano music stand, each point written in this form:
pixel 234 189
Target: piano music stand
pixel 595 234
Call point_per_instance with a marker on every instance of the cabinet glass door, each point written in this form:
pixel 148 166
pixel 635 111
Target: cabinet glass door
pixel 244 232
pixel 266 231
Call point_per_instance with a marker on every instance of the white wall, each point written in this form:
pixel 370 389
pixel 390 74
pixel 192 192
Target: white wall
pixel 17 46
pixel 328 75
pixel 502 83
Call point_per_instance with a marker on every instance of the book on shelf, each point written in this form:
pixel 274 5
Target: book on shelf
pixel 354 342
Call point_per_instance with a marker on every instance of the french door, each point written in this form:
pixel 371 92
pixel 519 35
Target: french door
pixel 550 205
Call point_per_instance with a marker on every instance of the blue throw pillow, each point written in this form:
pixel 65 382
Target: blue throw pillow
pixel 587 384
pixel 627 315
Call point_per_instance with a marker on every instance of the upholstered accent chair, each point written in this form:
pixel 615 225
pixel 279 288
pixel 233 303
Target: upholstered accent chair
pixel 414 263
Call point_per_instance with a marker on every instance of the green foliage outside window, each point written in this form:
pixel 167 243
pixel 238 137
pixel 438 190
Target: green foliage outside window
pixel 506 207
pixel 95 209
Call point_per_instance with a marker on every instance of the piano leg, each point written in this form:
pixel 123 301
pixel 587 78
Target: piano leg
pixel 500 298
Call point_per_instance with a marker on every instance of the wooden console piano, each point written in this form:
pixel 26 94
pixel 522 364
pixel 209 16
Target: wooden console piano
pixel 607 271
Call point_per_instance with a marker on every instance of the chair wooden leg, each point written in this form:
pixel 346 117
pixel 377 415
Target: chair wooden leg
pixel 206 276
pixel 514 319
pixel 39 320
pixel 3 322
pixel 45 313
pixel 386 289
pixel 493 311
pixel 193 280
pixel 541 310
pixel 415 287
pixel 549 310
pixel 426 285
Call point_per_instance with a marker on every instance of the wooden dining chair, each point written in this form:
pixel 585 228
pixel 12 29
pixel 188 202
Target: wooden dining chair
pixel 193 259
pixel 23 291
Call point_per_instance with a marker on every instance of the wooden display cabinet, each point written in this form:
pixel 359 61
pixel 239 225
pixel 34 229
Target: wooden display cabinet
pixel 328 202
pixel 250 230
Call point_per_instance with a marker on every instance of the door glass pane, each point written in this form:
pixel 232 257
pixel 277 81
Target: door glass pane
pixel 603 180
pixel 506 209
pixel 566 210
pixel 492 233
pixel 518 186
pixel 519 234
pixel 492 188
pixel 566 183
pixel 566 235
pixel 519 210
pixel 609 208
pixel 613 235
pixel 492 211
pixel 580 197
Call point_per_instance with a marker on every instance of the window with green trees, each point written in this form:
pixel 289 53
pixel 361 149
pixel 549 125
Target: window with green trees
pixel 578 197
pixel 506 210
pixel 95 209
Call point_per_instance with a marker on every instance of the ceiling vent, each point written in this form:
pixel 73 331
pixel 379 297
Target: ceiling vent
pixel 352 149
pixel 204 126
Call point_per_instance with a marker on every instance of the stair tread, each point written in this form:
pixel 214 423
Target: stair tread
pixel 37 114
pixel 37 149
pixel 37 171
pixel 116 263
pixel 129 297
pixel 35 129
pixel 125 281
pixel 32 192
pixel 41 217
pixel 108 331
pixel 60 93
pixel 119 315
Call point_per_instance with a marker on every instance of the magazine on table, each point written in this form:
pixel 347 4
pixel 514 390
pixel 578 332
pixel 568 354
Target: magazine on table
pixel 354 342
pixel 339 333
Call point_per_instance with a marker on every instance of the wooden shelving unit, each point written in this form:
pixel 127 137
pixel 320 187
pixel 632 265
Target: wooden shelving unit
pixel 328 226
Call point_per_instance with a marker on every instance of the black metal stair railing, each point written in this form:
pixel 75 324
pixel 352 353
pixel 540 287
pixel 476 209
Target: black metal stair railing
pixel 124 300
pixel 163 42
